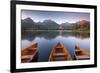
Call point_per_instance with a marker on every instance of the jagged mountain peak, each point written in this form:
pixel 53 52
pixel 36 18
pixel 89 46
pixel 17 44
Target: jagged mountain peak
pixel 28 20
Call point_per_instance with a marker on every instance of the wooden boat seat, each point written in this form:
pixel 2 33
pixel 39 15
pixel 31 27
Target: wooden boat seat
pixel 79 53
pixel 27 56
pixel 83 57
pixel 59 54
pixel 28 52
pixel 31 49
pixel 76 50
pixel 58 50
pixel 59 58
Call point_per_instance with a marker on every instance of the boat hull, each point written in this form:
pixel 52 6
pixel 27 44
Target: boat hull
pixel 30 54
pixel 81 54
pixel 59 53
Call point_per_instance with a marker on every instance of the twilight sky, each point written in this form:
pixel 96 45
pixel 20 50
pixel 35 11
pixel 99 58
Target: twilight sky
pixel 59 17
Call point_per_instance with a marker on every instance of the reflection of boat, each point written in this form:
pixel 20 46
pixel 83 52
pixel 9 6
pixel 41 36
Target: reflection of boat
pixel 30 54
pixel 59 53
pixel 81 54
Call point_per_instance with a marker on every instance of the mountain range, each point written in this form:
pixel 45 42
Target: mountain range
pixel 28 23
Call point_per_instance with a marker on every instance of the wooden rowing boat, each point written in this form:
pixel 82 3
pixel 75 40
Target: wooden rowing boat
pixel 29 54
pixel 81 54
pixel 59 53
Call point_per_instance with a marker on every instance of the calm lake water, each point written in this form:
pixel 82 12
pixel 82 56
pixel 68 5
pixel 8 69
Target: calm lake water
pixel 48 39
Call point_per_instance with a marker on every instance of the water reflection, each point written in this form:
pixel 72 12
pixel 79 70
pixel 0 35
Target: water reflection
pixel 30 35
pixel 48 39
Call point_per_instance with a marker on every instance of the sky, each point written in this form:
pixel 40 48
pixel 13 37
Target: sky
pixel 58 17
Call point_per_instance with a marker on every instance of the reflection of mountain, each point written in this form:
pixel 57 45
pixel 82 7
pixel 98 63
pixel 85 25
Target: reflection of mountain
pixel 42 34
pixel 52 34
pixel 29 24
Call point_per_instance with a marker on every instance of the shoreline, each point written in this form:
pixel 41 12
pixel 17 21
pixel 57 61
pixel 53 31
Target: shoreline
pixel 77 31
